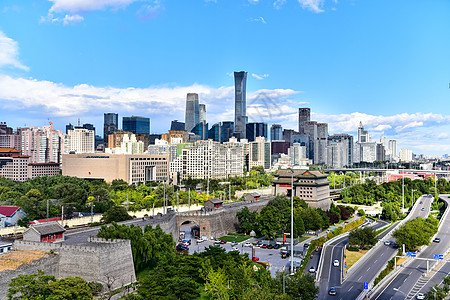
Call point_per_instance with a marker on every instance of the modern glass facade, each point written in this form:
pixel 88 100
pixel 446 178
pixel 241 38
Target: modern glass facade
pixel 192 111
pixel 240 104
pixel 227 131
pixel 176 125
pixel 110 125
pixel 201 129
pixel 214 132
pixel 136 124
pixel 202 115
pixel 256 129
pixel 276 132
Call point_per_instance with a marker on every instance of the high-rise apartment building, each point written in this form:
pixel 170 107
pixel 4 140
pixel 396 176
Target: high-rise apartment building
pixel 340 150
pixel 42 145
pixel 254 130
pixel 297 154
pixel 136 124
pixel 240 104
pixel 260 153
pixel 406 155
pixel 304 115
pixel 9 138
pixel 81 140
pixel 192 111
pixel 380 152
pixel 202 112
pixel 276 132
pixel 393 149
pixel 110 125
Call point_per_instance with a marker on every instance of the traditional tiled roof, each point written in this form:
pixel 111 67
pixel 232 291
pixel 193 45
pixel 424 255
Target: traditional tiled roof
pixel 47 228
pixel 215 201
pixel 301 173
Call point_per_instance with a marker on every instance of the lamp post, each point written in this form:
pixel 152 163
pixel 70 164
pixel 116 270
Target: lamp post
pixel 292 221
pixel 412 197
pixel 284 278
pixel 403 192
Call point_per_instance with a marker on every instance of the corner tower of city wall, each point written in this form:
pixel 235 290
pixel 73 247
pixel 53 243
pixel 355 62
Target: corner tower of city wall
pixel 100 260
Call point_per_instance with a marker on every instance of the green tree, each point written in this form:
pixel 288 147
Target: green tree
pixel 270 221
pixel 116 214
pixel 302 286
pixel 216 285
pixel 247 220
pixel 75 288
pixel 416 232
pixel 363 237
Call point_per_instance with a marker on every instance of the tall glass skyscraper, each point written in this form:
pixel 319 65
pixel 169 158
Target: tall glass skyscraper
pixel 110 124
pixel 227 131
pixel 304 115
pixel 192 111
pixel 256 129
pixel 240 104
pixel 276 132
pixel 202 114
pixel 136 124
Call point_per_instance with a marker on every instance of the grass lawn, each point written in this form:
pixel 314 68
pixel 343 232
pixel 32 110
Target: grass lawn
pixel 351 257
pixel 235 237
pixel 303 238
pixel 383 229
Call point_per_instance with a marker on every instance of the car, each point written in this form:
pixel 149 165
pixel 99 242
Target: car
pixel 234 243
pixel 181 247
pixel 395 246
pixel 332 291
pixel 270 246
pixel 234 249
pixel 277 246
pixel 312 269
pixel 422 209
pixel 387 243
pixel 336 263
pixel 258 244
pixel 420 202
pixel 223 242
pixel 437 240
pixel 200 240
pixel 420 296
pixel 254 258
pixel 247 244
pixel 284 254
pixel 187 242
pixel 305 245
pixel 264 246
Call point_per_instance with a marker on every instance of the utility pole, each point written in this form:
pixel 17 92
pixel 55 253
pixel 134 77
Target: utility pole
pixel 403 192
pixel 47 209
pixel 292 221
pixel 189 199
pixel 178 203
pixel 164 199
pixel 229 192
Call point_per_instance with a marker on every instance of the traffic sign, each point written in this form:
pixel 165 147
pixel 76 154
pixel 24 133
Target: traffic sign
pixel 366 285
pixel 438 256
pixel 411 254
pixel 345 266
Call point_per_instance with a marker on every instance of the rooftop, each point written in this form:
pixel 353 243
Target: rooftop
pixel 47 228
pixel 8 211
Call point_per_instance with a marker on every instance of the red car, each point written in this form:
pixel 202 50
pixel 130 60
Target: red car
pixel 255 258
pixel 264 246
pixel 223 242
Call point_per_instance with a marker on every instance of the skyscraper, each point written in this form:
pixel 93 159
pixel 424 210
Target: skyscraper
pixel 202 112
pixel 276 132
pixel 136 124
pixel 254 130
pixel 240 104
pixel 192 111
pixel 304 115
pixel 393 149
pixel 110 124
pixel 363 135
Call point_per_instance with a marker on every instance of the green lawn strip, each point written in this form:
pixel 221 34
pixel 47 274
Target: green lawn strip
pixel 234 238
pixel 379 231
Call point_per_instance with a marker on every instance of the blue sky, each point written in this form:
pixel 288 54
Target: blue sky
pixel 383 62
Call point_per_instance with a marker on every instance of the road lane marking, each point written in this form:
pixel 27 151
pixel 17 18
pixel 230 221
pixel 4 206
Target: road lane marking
pixel 368 269
pixel 360 278
pixel 350 288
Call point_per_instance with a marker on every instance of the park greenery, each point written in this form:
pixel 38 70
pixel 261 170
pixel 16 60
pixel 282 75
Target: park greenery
pixel 80 195
pixel 211 274
pixel 416 233
pixel 438 293
pixel 275 218
pixel 39 286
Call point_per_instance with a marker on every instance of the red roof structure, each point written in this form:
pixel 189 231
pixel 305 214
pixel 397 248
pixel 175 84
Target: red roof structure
pixel 8 211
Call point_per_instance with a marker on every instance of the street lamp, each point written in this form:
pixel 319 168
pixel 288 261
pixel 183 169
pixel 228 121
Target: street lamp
pixel 284 278
pixel 412 197
pixel 292 221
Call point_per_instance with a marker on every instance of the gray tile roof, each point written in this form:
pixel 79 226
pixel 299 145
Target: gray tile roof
pixel 47 228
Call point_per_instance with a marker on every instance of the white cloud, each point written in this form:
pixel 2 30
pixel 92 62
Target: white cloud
pixel 260 77
pixel 259 19
pixel 382 127
pixel 68 19
pixel 409 125
pixel 253 1
pixel 9 52
pixel 313 5
pixel 278 4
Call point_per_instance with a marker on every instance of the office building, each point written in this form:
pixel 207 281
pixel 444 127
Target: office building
pixel 363 135
pixel 201 129
pixel 260 153
pixel 340 150
pixel 322 142
pixel 192 111
pixel 254 130
pixel 280 147
pixel 365 152
pixel 406 155
pixel 226 131
pixel 214 133
pixel 9 138
pixel 176 136
pixel 243 143
pixel 240 104
pixel 276 132
pixel 43 145
pixel 81 140
pixel 202 112
pixel 380 152
pixel 311 130
pixel 133 169
pixel 69 127
pixel 176 125
pixel 129 144
pixel 304 115
pixel 393 149
pixel 208 159
pixel 136 124
pixel 110 125
pixel 297 155
pixel 162 147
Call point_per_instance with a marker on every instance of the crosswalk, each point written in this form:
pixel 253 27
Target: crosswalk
pixel 417 287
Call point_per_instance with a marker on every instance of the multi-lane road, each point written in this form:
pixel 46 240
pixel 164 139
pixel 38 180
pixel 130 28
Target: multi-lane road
pixel 403 284
pixel 353 284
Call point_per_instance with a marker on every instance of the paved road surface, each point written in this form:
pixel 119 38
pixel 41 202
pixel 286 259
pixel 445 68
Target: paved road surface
pixel 408 277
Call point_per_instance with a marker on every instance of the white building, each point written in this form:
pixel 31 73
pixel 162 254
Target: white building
pixel 260 153
pixel 365 152
pixel 297 155
pixel 42 145
pixel 81 140
pixel 129 145
pixel 162 147
pixel 209 159
pixel 406 155
pixel 393 149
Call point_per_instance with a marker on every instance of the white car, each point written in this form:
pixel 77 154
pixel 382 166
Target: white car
pixel 336 263
pixel 420 296
pixel 200 240
pixel 312 269
pixel 387 243
pixel 247 244
pixel 217 242
pixel 235 249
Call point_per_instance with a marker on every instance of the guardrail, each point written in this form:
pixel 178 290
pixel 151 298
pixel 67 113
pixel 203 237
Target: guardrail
pixel 320 265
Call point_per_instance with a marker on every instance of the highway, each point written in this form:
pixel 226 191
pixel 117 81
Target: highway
pixel 353 284
pixel 405 281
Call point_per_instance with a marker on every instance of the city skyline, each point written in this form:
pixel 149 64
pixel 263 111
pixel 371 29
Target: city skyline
pixel 389 73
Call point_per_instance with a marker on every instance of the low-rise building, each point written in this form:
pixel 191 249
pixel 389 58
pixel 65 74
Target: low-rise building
pixel 46 232
pixel 43 169
pixel 5 246
pixel 9 215
pixel 311 186
pixel 251 197
pixel 132 168
pixel 212 204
